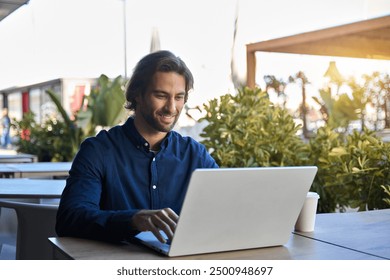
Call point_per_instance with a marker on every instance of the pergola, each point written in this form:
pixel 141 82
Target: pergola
pixel 9 6
pixel 363 39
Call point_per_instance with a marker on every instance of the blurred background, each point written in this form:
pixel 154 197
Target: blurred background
pixel 50 39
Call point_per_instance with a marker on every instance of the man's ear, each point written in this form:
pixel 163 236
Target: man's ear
pixel 138 98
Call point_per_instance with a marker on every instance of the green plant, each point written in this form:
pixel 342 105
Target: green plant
pixel 351 170
pixel 104 105
pixel 320 146
pixel 45 140
pixel 247 130
pixel 387 192
pixel 75 134
pixel 58 138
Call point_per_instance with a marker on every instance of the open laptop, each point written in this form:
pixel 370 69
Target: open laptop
pixel 237 208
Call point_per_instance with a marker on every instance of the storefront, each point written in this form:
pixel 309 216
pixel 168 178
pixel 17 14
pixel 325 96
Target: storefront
pixel 33 98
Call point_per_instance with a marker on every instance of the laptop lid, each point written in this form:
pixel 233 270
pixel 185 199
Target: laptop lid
pixel 238 208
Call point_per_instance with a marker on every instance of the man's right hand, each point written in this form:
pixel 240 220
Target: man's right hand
pixel 156 220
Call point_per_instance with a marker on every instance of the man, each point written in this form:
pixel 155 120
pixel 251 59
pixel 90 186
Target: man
pixel 6 126
pixel 134 177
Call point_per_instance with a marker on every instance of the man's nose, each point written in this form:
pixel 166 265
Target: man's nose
pixel 171 105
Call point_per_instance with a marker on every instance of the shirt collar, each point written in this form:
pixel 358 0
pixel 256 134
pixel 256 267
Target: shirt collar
pixel 136 138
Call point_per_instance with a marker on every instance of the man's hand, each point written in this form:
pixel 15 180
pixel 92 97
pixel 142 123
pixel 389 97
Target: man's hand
pixel 156 220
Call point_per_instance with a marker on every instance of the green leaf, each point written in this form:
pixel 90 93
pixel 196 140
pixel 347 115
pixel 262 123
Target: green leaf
pixel 338 151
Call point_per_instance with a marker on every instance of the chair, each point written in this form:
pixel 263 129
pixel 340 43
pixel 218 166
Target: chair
pixel 8 230
pixel 36 222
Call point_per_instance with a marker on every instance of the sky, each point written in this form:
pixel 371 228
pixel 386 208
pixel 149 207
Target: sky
pixel 49 39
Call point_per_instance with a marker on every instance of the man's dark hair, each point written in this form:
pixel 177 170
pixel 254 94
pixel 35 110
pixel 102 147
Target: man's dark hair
pixel 160 61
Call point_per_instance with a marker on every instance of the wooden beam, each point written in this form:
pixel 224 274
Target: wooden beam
pixel 351 46
pixel 318 35
pixel 364 39
pixel 251 69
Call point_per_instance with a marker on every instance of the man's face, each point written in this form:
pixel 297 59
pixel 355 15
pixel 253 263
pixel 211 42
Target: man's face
pixel 161 105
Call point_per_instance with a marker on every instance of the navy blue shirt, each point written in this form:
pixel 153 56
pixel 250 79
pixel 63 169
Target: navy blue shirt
pixel 114 175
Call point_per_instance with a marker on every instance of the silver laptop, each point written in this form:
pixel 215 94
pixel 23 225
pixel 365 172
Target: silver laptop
pixel 237 208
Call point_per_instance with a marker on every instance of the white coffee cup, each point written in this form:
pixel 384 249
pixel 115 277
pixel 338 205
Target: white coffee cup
pixel 307 217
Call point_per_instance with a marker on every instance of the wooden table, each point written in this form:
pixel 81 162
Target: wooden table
pixel 299 247
pixel 367 232
pixel 31 188
pixel 36 169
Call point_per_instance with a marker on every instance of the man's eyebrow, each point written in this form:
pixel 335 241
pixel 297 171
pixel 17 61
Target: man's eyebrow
pixel 164 92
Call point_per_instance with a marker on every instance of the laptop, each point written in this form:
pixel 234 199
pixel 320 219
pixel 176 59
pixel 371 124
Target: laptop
pixel 229 209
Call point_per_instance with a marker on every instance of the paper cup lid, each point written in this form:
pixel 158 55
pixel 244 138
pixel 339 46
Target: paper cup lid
pixel 313 195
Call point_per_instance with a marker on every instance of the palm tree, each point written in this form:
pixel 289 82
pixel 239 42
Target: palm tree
pixel 384 85
pixel 300 76
pixel 338 112
pixel 359 99
pixel 278 85
pixel 326 104
pixel 334 76
pixel 378 89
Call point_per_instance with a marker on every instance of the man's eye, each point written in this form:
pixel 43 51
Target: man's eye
pixel 180 97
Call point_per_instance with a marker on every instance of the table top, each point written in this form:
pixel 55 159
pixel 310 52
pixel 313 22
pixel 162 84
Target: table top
pixel 4 168
pixel 31 188
pixel 36 169
pixel 359 235
pixel 17 158
pixel 367 231
pixel 37 166
pixel 298 248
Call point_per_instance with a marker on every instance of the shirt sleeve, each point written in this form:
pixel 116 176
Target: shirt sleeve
pixel 79 213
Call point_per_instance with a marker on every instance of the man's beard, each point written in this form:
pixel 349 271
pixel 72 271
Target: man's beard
pixel 155 124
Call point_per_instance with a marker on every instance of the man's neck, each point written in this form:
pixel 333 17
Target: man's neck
pixel 153 137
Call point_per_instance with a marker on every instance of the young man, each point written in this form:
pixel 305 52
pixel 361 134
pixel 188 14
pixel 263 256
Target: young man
pixel 134 177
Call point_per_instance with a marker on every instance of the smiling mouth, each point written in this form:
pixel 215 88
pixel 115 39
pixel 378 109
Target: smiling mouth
pixel 167 117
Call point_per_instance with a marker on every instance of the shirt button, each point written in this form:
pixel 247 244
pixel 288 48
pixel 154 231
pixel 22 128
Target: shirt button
pixel 154 159
pixel 146 144
pixel 154 187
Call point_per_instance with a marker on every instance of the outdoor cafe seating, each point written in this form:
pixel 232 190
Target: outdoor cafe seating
pixel 35 224
pixel 29 200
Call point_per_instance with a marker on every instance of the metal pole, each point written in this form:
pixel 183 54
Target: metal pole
pixel 125 36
